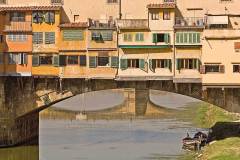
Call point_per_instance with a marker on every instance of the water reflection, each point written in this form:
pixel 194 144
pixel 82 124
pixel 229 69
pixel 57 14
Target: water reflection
pixel 20 153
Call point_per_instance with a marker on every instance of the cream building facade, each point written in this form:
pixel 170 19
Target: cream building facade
pixel 185 41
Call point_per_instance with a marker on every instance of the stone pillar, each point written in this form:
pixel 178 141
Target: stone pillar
pixel 129 104
pixel 141 101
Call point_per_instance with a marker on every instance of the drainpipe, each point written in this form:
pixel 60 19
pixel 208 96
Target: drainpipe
pixel 120 9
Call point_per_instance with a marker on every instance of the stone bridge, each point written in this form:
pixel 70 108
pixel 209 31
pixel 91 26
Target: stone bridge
pixel 21 99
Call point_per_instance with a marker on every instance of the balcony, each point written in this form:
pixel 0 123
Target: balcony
pixel 189 22
pixel 133 24
pixel 56 2
pixel 18 26
pixel 102 24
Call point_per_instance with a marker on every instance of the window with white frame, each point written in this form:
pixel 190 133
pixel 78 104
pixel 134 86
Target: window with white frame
pixel 155 15
pixel 17 37
pixel 166 15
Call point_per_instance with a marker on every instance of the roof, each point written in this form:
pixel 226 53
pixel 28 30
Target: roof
pixel 74 25
pixel 164 5
pixel 29 8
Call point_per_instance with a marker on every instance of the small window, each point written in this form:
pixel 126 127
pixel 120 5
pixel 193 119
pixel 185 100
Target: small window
pixel 139 37
pixel 83 60
pixel 103 61
pixel 133 63
pixel 17 16
pixel 72 60
pixel 12 58
pixel 49 37
pixel 73 35
pixel 236 68
pixel 112 1
pixel 158 37
pixel 187 64
pixel 127 37
pixel 155 15
pixel 214 68
pixel 38 17
pixel 49 17
pixel 20 37
pixel 76 18
pixel 37 37
pixel 166 15
pixel 46 60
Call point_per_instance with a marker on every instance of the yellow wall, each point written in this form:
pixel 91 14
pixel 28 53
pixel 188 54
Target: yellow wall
pixel 45 27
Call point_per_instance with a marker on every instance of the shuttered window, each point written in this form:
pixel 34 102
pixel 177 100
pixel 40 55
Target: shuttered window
pixel 188 38
pixel 188 64
pixel 49 37
pixel 73 35
pixel 37 37
pixel 124 64
pixel 107 35
pixel 83 60
pixel 12 58
pixel 127 37
pixel 50 17
pixel 35 60
pixel 160 37
pixel 139 37
pixel 114 62
pixel 102 35
pixel 22 58
pixel 38 17
pixel 92 62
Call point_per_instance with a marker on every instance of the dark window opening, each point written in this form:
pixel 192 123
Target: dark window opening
pixel 45 60
pixel 103 61
pixel 72 60
pixel 212 68
pixel 236 68
pixel 133 63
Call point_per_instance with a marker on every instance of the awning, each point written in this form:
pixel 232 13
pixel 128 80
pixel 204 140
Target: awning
pixel 218 20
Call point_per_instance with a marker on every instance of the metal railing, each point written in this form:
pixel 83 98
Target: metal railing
pixel 102 24
pixel 18 26
pixel 57 2
pixel 133 23
pixel 190 22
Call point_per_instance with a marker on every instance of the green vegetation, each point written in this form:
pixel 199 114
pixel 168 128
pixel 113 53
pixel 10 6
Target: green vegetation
pixel 227 149
pixel 205 116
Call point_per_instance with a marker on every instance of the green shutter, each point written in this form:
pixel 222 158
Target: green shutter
pixel 62 60
pixel 49 37
pixel 125 37
pixel 170 64
pixel 114 62
pixel 195 63
pixel 154 40
pixel 194 37
pixel 190 37
pixel 166 38
pixel 56 61
pixel 181 37
pixel 73 35
pixel 83 60
pixel 152 65
pixel 142 64
pixel 178 63
pixel 185 35
pixel 92 62
pixel 35 60
pixel 107 35
pixel 198 38
pixel 124 64
pixel 177 38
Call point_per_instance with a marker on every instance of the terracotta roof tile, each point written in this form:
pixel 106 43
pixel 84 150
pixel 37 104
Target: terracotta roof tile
pixel 164 5
pixel 28 8
pixel 74 25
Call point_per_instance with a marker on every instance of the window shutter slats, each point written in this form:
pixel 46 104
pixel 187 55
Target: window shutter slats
pixel 154 40
pixel 35 60
pixel 72 35
pixel 56 61
pixel 142 64
pixel 83 60
pixel 203 69
pixel 152 65
pixel 124 64
pixel 92 62
pixel 62 60
pixel 49 37
pixel 114 62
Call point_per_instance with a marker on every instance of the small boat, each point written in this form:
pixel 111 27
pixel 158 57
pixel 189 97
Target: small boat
pixel 199 140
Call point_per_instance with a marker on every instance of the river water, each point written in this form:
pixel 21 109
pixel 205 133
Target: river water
pixel 138 139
